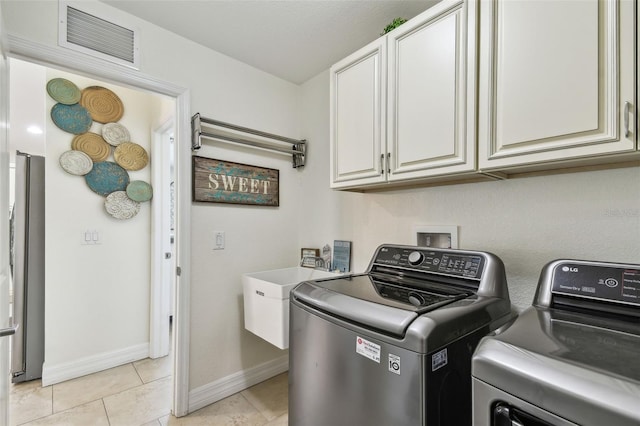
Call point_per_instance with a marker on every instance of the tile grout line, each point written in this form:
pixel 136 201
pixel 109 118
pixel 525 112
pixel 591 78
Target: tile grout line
pixel 137 372
pixel 254 407
pixel 106 413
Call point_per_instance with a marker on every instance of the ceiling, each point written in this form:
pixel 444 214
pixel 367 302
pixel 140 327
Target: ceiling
pixel 293 39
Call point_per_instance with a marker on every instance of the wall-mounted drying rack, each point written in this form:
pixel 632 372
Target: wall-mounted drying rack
pixel 297 149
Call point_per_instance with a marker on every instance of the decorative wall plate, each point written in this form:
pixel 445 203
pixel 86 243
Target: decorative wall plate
pixel 139 190
pixel 76 163
pixel 93 145
pixel 63 91
pixel 115 134
pixel 118 205
pixel 131 156
pixel 107 177
pixel 71 118
pixel 104 105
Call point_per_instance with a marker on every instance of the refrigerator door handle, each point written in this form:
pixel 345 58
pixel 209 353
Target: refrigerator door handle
pixel 9 331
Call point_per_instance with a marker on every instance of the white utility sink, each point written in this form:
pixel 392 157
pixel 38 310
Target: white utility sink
pixel 266 300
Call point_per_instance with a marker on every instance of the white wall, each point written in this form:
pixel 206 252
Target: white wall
pixel 97 296
pixel 257 238
pixel 527 222
pixel 25 79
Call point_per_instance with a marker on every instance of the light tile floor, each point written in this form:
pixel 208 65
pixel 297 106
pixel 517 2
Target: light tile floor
pixel 139 394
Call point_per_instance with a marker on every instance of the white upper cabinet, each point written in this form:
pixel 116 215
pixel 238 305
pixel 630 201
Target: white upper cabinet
pixel 421 122
pixel 357 117
pixel 555 81
pixel 431 70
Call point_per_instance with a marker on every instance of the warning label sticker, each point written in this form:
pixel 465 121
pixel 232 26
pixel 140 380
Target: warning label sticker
pixel 368 349
pixel 439 359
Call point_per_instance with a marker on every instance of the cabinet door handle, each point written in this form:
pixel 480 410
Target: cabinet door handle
pixel 388 163
pixel 627 106
pixel 381 164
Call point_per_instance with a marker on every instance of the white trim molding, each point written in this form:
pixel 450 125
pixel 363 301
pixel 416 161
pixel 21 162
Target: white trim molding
pixel 52 374
pixel 236 382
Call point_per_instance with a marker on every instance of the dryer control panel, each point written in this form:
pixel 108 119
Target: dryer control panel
pixel 600 282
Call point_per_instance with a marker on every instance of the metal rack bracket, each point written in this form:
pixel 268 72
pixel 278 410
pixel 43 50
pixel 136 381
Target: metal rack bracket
pixel 297 148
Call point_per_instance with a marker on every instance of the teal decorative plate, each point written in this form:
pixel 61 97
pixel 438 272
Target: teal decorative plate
pixel 63 91
pixel 107 177
pixel 71 118
pixel 139 190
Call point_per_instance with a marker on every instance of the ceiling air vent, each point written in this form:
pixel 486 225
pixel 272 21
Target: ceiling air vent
pixel 86 32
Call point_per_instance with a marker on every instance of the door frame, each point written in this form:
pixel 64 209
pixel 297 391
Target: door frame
pixel 162 281
pixel 69 60
pixel 5 272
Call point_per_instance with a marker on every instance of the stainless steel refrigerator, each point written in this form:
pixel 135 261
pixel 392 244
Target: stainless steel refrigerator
pixel 27 255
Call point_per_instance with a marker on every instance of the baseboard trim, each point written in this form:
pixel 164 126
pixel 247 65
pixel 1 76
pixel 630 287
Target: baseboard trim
pixel 215 391
pixel 52 374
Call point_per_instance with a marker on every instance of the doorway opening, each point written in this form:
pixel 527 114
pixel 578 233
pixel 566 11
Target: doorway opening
pixel 178 102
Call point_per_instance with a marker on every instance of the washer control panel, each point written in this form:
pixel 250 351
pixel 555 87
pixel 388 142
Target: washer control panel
pixel 600 282
pixel 451 262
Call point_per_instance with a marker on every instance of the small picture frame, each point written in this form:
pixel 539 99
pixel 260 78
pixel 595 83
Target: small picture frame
pixel 342 255
pixel 308 256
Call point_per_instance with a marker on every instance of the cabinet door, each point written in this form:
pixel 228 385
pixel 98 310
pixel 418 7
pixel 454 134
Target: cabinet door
pixel 554 78
pixel 357 120
pixel 431 127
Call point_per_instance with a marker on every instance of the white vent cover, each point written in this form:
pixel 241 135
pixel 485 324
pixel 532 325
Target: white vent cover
pixel 86 32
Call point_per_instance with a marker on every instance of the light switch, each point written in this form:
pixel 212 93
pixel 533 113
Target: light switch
pixel 90 237
pixel 218 240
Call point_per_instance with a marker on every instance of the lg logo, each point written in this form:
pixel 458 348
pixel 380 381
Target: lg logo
pixel 569 269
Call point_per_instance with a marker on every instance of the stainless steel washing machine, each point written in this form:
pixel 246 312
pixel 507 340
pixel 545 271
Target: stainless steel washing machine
pixel 393 346
pixel 573 358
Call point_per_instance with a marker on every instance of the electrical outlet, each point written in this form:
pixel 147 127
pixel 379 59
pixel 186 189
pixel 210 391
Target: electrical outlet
pixel 218 240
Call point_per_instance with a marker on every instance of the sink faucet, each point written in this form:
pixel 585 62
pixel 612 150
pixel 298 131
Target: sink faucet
pixel 319 262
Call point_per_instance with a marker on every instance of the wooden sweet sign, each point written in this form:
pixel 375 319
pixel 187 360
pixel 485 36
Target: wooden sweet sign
pixel 217 181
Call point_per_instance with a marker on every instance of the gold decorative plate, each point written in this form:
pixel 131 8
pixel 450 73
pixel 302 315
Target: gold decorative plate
pixel 131 156
pixel 103 105
pixel 93 145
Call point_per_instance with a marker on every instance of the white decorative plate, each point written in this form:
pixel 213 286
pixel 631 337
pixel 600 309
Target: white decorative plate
pixel 120 206
pixel 115 134
pixel 76 162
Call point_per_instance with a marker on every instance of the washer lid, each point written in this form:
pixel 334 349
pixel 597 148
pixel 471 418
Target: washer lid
pixel 371 300
pixel 393 292
pixel 579 367
pixel 378 316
